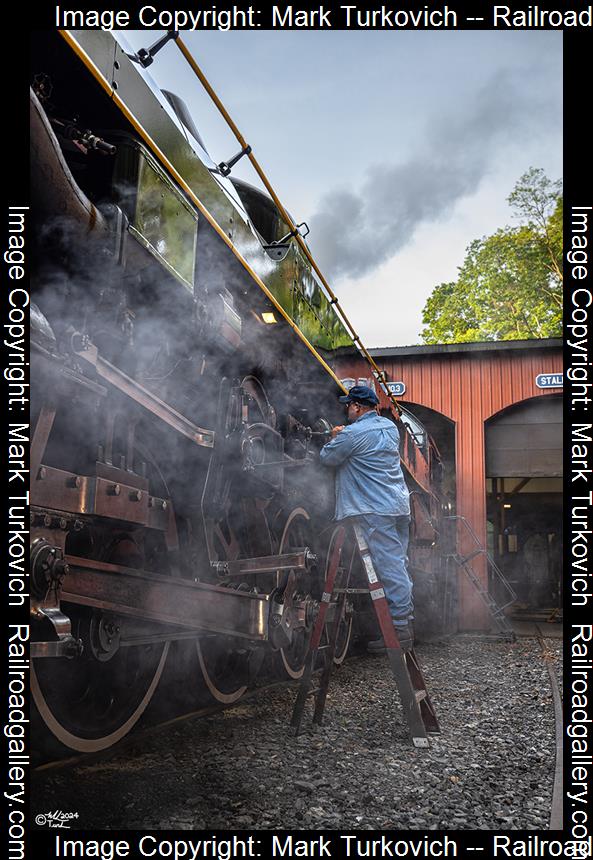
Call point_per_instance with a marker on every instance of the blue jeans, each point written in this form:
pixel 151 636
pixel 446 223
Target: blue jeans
pixel 387 538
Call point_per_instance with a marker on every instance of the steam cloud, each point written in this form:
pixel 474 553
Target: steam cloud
pixel 352 233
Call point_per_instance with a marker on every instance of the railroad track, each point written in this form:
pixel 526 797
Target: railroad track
pixel 556 811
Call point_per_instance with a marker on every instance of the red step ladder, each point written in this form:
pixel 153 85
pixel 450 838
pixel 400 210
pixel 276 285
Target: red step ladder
pixel 418 709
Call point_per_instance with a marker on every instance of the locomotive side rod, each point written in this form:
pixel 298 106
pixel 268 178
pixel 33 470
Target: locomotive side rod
pixel 166 600
pixel 301 560
pixel 179 608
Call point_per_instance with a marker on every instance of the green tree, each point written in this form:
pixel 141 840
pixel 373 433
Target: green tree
pixel 510 284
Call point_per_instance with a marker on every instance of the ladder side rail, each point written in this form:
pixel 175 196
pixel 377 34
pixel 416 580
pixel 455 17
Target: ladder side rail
pixel 429 717
pixel 343 574
pixel 413 695
pixel 377 593
pixel 318 628
pixel 417 707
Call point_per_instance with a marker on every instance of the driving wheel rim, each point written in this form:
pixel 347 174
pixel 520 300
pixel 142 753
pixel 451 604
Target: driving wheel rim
pixel 346 621
pixel 292 670
pixel 89 705
pixel 226 669
pixel 78 742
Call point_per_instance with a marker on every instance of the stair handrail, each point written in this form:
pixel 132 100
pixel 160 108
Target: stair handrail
pixel 491 562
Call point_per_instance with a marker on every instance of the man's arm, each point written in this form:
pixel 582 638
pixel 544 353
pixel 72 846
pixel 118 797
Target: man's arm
pixel 338 449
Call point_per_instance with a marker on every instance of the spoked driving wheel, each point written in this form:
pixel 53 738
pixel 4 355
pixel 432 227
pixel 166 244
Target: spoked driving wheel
pixel 227 664
pixel 346 617
pixel 92 701
pixel 296 534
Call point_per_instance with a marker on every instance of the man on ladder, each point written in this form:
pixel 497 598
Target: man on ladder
pixel 372 493
pixel 372 499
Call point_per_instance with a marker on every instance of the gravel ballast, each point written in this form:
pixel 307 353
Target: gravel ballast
pixel 491 768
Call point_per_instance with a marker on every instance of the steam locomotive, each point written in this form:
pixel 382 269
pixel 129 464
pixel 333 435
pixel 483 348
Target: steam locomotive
pixel 185 371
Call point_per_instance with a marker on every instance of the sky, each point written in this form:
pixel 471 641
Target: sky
pixel 397 148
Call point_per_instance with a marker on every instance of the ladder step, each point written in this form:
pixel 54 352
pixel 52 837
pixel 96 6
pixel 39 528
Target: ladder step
pixel 406 671
pixel 466 558
pixel 351 591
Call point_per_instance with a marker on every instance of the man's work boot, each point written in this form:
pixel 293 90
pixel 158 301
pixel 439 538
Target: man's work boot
pixel 377 646
pixel 405 635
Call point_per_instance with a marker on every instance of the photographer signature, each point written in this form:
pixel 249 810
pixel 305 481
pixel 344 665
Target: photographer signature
pixel 55 819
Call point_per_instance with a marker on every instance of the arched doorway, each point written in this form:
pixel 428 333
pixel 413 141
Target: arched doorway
pixel 441 430
pixel 523 446
pixel 435 576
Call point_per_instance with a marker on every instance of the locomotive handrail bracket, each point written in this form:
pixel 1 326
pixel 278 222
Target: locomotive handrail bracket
pixel 167 600
pixel 145 398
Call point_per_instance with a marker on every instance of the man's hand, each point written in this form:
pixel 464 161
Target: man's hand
pixel 336 430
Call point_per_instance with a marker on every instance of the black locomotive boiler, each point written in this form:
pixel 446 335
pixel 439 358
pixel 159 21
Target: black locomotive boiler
pixel 183 379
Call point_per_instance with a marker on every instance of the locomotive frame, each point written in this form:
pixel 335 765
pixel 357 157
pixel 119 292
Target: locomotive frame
pixel 184 366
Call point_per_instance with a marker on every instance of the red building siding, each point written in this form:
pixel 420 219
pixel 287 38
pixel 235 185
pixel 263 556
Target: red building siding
pixel 468 387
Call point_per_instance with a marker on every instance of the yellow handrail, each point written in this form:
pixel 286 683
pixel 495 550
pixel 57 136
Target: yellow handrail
pixel 379 375
pixel 107 85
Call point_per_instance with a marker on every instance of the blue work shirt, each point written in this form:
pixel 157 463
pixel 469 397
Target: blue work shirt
pixel 369 478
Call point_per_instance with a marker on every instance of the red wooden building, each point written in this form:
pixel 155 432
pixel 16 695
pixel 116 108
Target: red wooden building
pixel 495 411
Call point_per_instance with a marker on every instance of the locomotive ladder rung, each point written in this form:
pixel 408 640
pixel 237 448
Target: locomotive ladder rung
pixel 351 590
pixel 416 704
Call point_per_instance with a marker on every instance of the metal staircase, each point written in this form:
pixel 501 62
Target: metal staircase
pixel 495 610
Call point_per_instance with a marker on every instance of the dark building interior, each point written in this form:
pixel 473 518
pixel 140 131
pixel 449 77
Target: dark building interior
pixel 524 499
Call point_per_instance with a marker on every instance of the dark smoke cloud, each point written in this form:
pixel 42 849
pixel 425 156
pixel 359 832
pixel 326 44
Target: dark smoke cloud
pixel 353 232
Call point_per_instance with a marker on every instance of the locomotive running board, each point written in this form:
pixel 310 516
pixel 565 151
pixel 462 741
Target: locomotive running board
pixel 184 603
